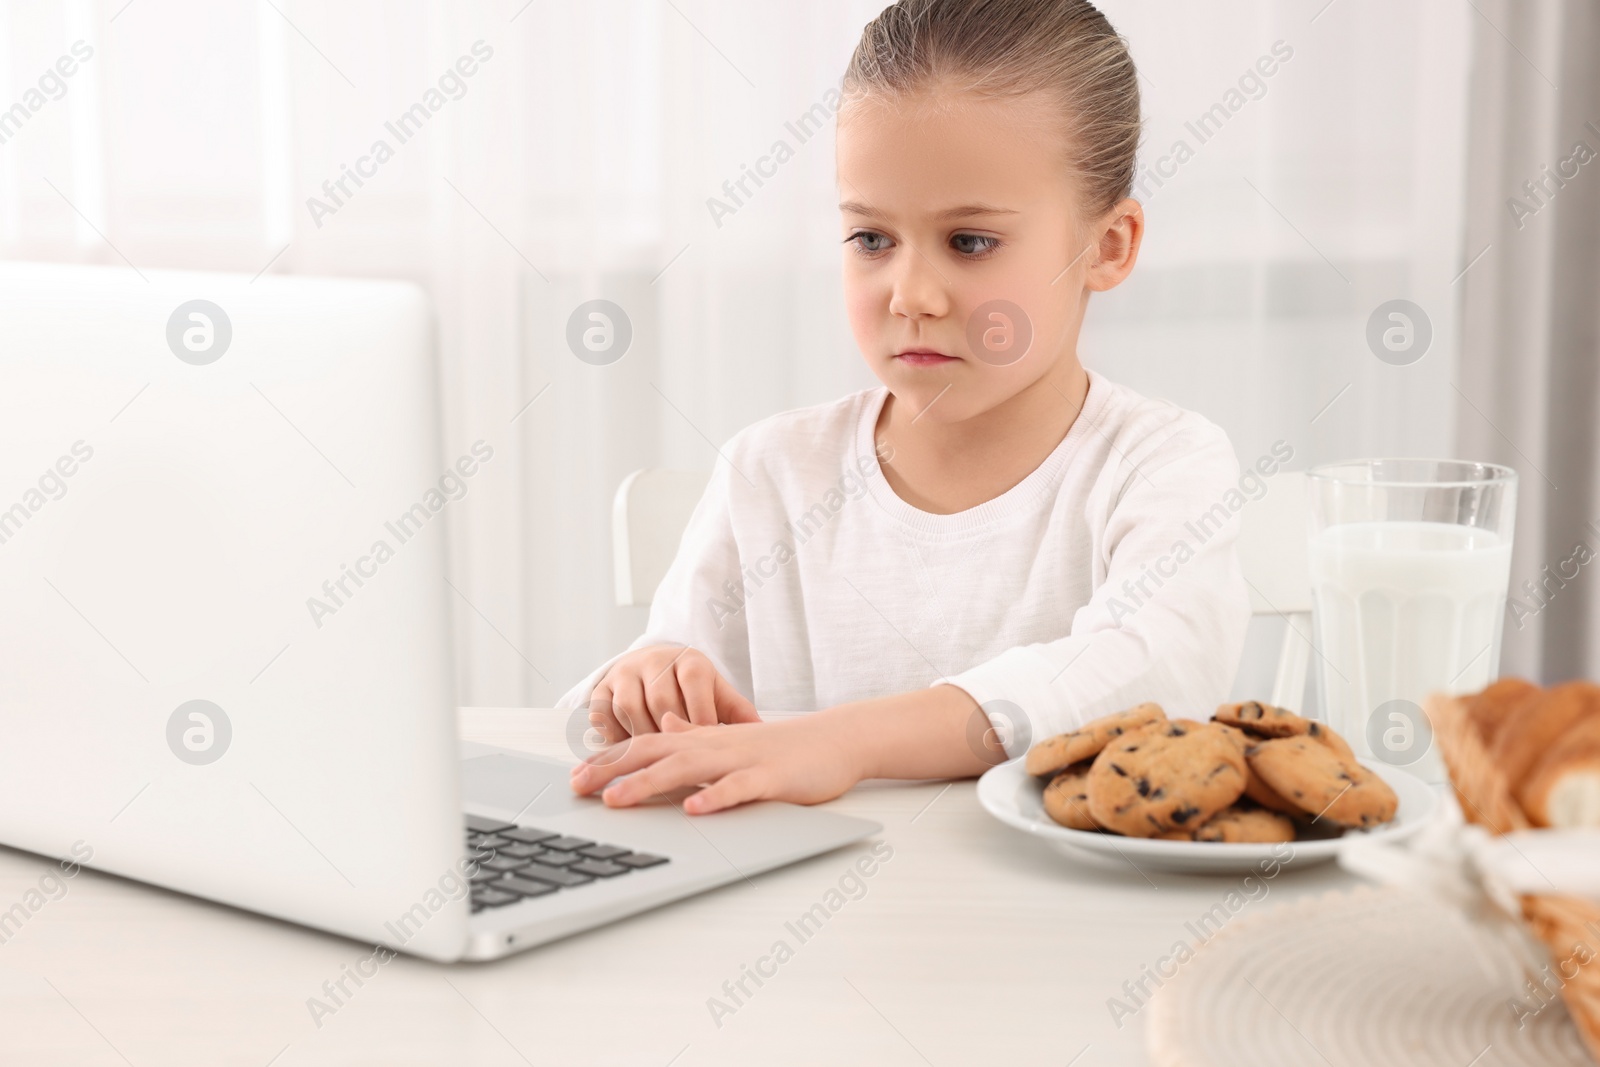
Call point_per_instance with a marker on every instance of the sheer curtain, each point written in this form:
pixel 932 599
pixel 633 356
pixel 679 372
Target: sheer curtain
pixel 597 151
pixel 1529 390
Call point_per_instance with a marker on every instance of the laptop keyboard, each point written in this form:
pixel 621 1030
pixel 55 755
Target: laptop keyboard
pixel 521 862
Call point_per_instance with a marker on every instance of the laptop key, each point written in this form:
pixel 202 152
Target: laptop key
pixel 487 841
pixel 527 835
pixel 493 898
pixel 479 825
pixel 521 852
pixel 600 868
pixel 525 888
pixel 566 844
pixel 603 852
pixel 553 875
pixel 557 859
pixel 641 859
pixel 482 877
pixel 503 864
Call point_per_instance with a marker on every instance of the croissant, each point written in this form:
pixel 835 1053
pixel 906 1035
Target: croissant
pixel 1546 744
pixel 1563 789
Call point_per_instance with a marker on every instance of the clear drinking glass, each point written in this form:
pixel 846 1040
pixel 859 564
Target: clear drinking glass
pixel 1410 567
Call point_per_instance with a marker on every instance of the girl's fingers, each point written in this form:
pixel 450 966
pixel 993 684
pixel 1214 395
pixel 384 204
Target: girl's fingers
pixel 599 711
pixel 602 715
pixel 676 725
pixel 628 705
pixel 697 678
pixel 732 706
pixel 618 760
pixel 736 787
pixel 661 693
pixel 673 771
pixel 605 722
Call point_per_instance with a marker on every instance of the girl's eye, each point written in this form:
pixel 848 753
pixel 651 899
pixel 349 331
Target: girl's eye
pixel 868 243
pixel 973 244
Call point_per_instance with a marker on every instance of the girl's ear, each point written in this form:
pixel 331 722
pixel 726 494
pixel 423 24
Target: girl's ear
pixel 1119 231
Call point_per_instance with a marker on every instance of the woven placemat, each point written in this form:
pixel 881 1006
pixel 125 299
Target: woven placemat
pixel 1355 979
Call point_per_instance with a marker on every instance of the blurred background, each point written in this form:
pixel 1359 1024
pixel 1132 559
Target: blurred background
pixel 1438 152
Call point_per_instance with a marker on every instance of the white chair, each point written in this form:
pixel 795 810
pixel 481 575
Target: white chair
pixel 651 509
pixel 653 505
pixel 1273 554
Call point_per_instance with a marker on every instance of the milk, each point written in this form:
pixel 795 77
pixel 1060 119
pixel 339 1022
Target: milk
pixel 1404 609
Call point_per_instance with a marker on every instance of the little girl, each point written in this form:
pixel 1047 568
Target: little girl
pixel 996 544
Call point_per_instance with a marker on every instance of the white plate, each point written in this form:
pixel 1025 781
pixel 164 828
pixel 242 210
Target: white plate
pixel 1016 798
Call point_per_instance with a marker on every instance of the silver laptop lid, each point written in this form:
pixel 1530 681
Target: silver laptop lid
pixel 224 662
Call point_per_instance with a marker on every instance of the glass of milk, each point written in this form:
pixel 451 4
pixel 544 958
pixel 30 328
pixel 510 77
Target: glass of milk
pixel 1410 565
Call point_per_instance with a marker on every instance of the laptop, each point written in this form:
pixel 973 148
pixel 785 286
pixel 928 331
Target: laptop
pixel 225 643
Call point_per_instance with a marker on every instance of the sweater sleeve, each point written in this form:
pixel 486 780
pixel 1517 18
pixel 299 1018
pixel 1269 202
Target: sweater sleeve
pixel 699 600
pixel 1167 623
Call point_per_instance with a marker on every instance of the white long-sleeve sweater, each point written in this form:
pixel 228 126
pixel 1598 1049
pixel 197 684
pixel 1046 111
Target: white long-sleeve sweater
pixel 1107 577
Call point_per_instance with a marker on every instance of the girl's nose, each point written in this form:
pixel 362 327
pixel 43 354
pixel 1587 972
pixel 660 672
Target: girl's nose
pixel 919 291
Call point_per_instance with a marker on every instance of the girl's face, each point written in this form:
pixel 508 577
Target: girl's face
pixel 964 236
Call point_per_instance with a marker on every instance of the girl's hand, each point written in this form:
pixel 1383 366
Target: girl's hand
pixel 804 760
pixel 648 687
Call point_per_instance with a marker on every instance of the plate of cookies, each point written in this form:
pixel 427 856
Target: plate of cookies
pixel 1221 795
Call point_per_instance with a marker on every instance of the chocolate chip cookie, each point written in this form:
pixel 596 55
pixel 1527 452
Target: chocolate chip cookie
pixel 1164 777
pixel 1256 788
pixel 1244 822
pixel 1056 754
pixel 1260 720
pixel 1066 798
pixel 1323 782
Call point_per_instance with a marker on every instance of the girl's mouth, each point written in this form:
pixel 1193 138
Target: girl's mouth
pixel 923 357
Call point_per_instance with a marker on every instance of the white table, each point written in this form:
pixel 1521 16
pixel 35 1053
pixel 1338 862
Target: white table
pixel 973 944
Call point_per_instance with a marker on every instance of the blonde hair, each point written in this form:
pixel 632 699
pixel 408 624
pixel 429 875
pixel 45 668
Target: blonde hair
pixel 1064 48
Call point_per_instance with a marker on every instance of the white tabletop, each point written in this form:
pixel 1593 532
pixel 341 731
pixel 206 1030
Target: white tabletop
pixel 973 944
